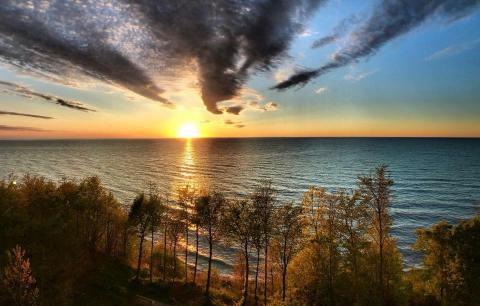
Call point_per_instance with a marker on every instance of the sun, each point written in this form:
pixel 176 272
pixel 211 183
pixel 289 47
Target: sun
pixel 188 130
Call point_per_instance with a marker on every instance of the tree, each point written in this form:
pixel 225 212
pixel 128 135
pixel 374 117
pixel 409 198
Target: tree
pixel 18 278
pixel 186 201
pixel 451 269
pixel 353 218
pixel 155 211
pixel 176 227
pixel 330 237
pixel 258 241
pixel 138 218
pixel 209 208
pixel 263 200
pixel 288 233
pixel 376 192
pixel 237 227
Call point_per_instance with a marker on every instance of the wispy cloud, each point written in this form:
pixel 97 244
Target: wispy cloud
pixel 321 90
pixel 7 113
pixel 20 128
pixel 355 77
pixel 389 20
pixel 236 124
pixel 453 50
pixel 26 92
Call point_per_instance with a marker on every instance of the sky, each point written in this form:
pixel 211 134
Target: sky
pixel 338 68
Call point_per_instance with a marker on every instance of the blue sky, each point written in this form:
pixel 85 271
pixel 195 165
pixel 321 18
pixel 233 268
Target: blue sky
pixel 423 83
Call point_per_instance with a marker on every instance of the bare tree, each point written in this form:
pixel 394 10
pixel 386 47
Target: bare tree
pixel 209 208
pixel 376 192
pixel 288 232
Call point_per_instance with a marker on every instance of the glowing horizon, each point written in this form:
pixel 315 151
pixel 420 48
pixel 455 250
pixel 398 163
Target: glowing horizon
pixel 423 83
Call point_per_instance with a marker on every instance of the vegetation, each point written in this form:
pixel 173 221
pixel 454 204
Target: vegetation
pixel 70 243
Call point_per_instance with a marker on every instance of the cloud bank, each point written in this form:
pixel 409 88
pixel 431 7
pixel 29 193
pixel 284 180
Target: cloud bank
pixel 138 44
pixel 389 20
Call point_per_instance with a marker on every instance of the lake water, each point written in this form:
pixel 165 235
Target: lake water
pixel 435 179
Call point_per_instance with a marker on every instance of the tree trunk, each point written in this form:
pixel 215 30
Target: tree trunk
pixel 165 253
pixel 196 255
pixel 125 241
pixel 174 260
pixel 151 258
pixel 266 273
pixel 210 252
pixel 247 272
pixel 284 269
pixel 256 275
pixel 330 274
pixel 272 289
pixel 382 288
pixel 139 261
pixel 186 253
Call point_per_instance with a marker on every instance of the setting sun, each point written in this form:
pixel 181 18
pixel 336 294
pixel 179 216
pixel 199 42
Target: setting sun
pixel 188 130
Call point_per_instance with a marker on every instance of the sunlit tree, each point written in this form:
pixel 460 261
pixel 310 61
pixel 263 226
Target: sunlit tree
pixel 208 208
pixel 237 227
pixel 18 279
pixel 264 201
pixel 186 201
pixel 288 232
pixel 376 190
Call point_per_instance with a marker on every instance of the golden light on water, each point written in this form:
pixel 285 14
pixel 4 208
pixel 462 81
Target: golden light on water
pixel 188 130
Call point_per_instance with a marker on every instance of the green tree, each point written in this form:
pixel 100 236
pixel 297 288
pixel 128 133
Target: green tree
pixel 451 269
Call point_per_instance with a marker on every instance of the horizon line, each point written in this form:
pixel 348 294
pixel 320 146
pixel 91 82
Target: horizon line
pixel 241 137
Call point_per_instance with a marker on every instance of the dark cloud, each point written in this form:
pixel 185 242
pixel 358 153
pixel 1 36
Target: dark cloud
pixel 20 128
pixel 138 44
pixel 24 115
pixel 390 19
pixel 235 110
pixel 29 93
pixel 229 122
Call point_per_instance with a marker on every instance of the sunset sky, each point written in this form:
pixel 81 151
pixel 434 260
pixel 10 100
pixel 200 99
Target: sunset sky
pixel 425 81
